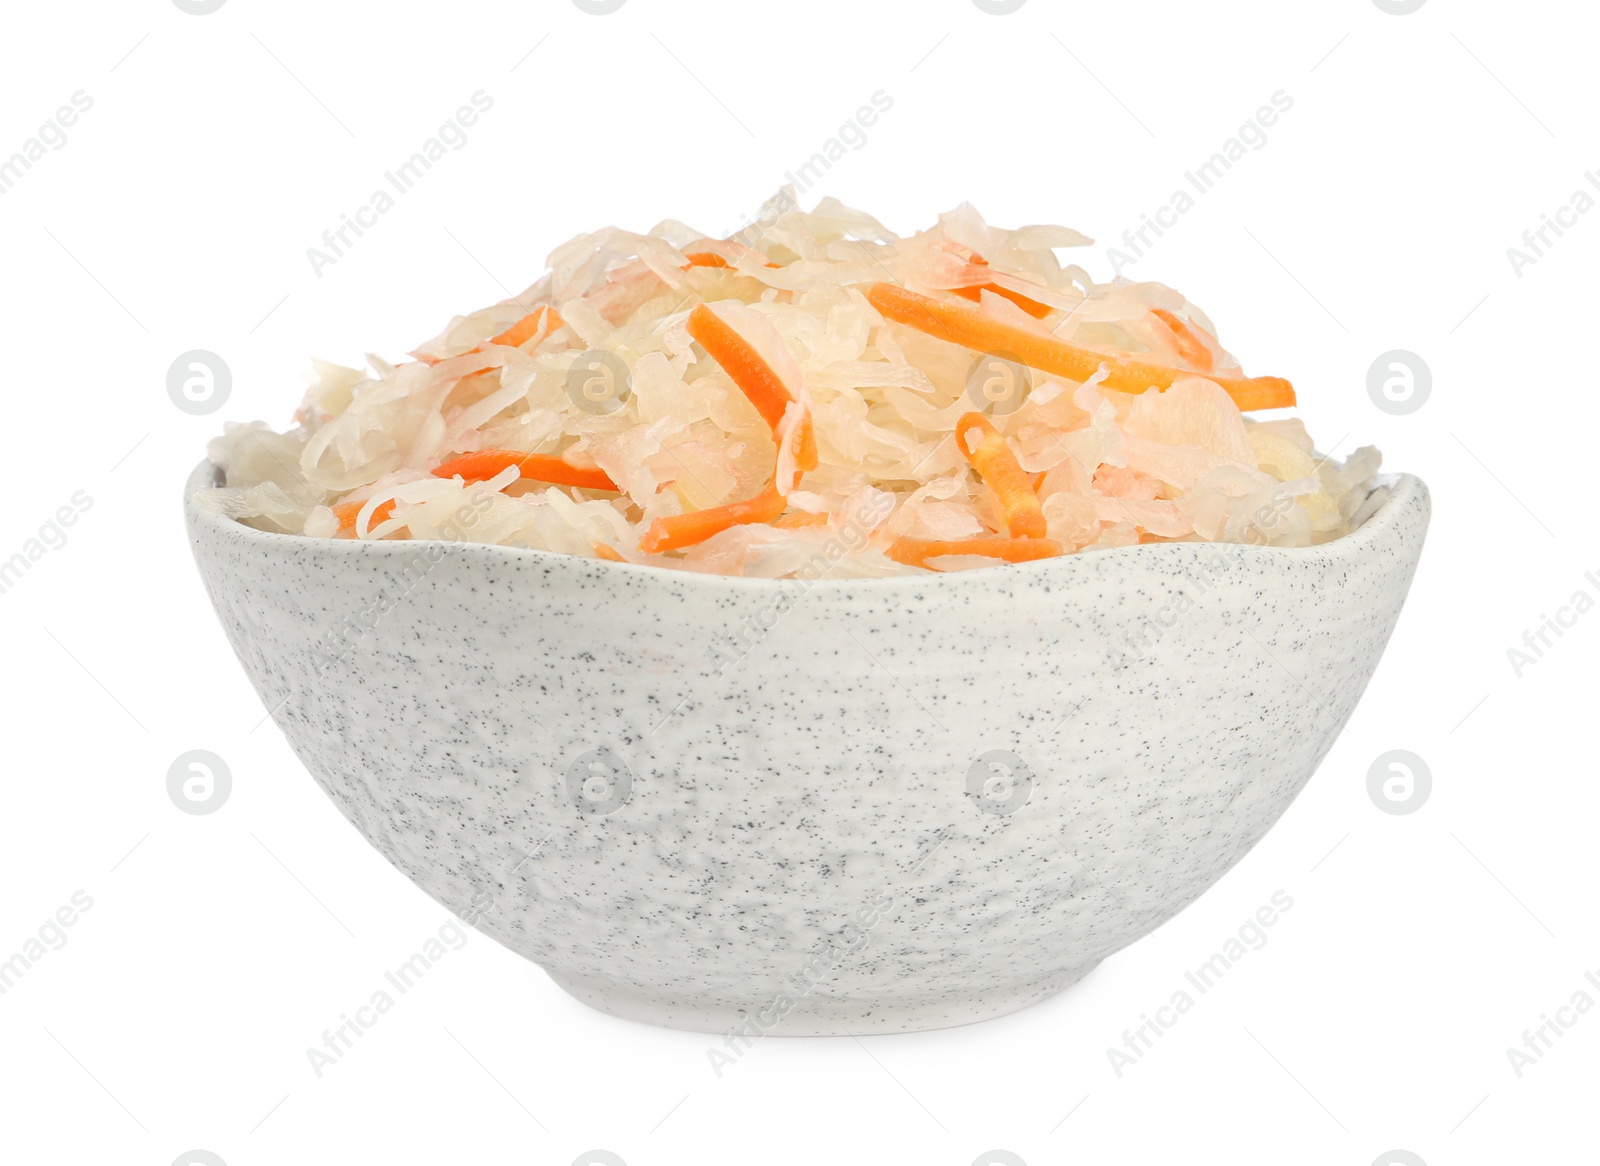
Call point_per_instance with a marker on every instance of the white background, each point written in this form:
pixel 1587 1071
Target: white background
pixel 1377 216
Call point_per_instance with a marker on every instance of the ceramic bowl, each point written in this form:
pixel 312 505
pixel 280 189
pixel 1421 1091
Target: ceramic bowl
pixel 845 807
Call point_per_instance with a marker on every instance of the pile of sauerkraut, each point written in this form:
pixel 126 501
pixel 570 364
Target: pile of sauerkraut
pixel 815 390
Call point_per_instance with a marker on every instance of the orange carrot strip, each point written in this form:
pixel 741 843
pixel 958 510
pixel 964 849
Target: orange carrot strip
pixel 541 319
pixel 971 327
pixel 989 454
pixel 915 552
pixel 540 322
pixel 767 392
pixel 1190 346
pixel 800 518
pixel 608 553
pixel 348 512
pixel 743 363
pixel 536 467
pixel 684 530
pixel 1033 307
pixel 805 446
pixel 712 259
pixel 753 375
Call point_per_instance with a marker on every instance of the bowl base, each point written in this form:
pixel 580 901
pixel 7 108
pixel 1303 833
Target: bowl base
pixel 812 1016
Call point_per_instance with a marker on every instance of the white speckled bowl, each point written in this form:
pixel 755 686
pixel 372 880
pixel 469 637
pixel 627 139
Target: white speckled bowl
pixel 798 851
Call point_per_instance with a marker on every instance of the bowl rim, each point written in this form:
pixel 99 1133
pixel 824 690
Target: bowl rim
pixel 1402 490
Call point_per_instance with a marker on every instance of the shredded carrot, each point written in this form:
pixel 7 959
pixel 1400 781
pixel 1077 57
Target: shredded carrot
pixel 348 512
pixel 753 375
pixel 537 467
pixel 971 327
pixel 744 364
pixel 767 392
pixel 800 518
pixel 541 322
pixel 1033 307
pixel 608 553
pixel 705 259
pixel 915 552
pixel 1190 346
pixel 805 446
pixel 684 530
pixel 712 259
pixel 989 454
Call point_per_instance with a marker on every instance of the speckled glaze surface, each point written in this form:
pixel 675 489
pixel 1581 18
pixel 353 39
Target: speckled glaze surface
pixel 862 806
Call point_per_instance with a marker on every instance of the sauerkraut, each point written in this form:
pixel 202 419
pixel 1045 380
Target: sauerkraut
pixel 816 385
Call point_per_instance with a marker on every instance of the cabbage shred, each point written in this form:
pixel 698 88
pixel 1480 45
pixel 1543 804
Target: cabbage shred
pixel 619 385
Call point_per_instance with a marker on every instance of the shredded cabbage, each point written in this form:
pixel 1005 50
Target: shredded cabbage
pixel 846 417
